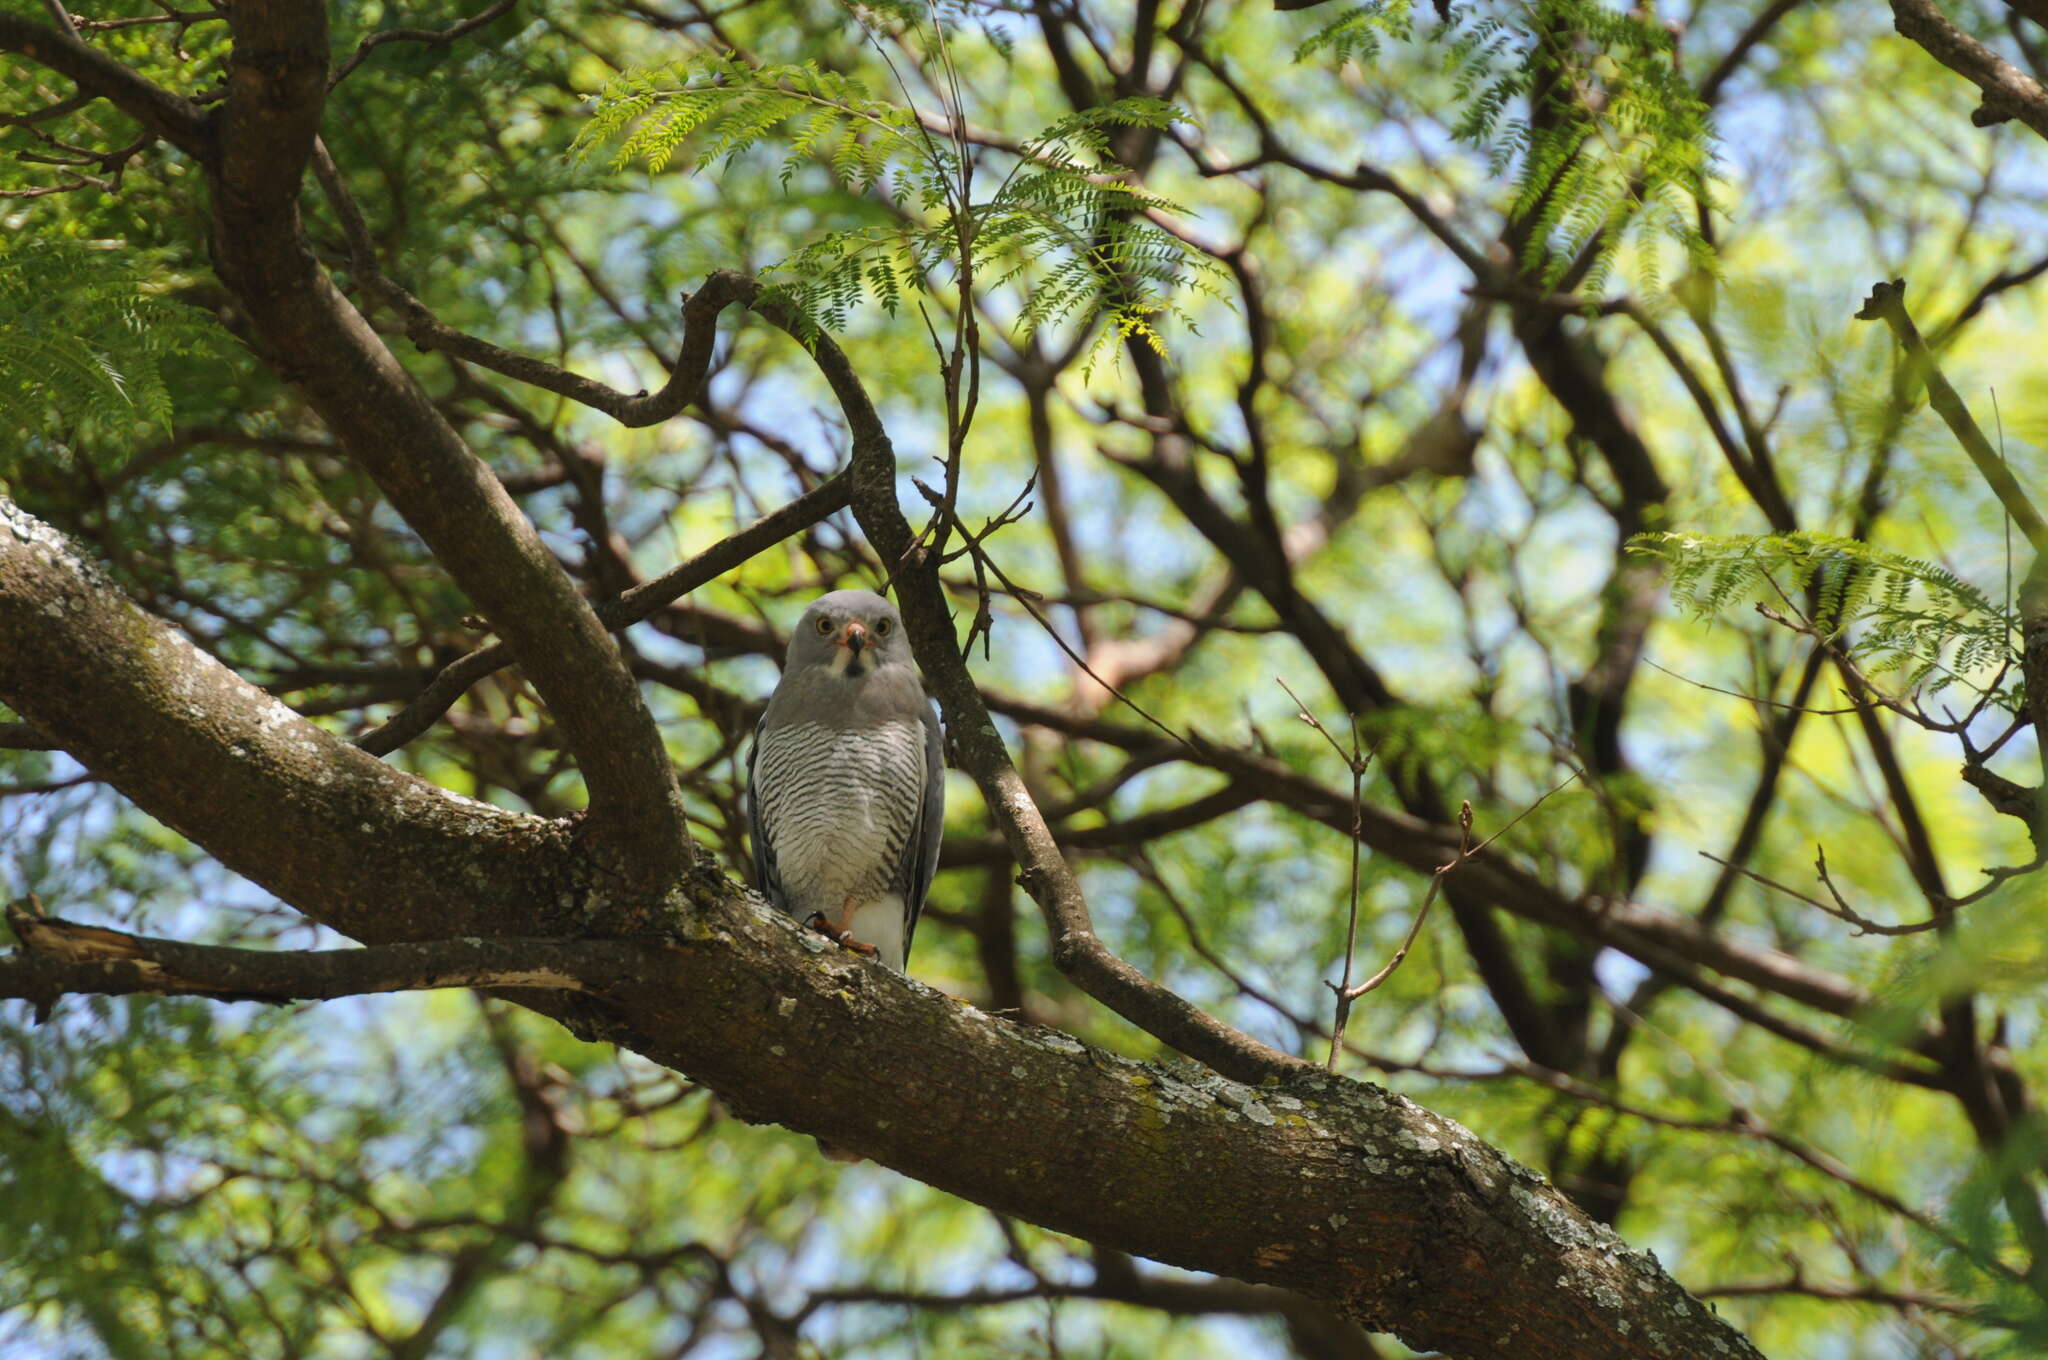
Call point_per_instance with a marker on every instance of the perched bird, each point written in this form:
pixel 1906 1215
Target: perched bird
pixel 847 781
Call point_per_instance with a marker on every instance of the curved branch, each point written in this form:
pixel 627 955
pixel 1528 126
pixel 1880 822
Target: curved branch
pixel 387 424
pixel 827 498
pixel 685 383
pixel 1077 950
pixel 686 376
pixel 172 117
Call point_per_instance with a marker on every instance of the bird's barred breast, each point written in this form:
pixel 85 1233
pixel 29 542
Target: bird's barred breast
pixel 839 807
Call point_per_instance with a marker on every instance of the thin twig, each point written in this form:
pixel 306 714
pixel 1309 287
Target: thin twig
pixel 1840 909
pixel 431 36
pixel 1357 761
pixel 1753 698
pixel 1346 995
pixel 1025 598
pixel 454 680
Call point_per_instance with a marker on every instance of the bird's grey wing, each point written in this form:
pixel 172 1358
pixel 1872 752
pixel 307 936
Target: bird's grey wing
pixel 765 877
pixel 922 851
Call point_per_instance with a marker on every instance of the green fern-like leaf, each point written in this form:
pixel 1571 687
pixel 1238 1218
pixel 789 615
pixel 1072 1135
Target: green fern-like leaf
pixel 1625 140
pixel 85 342
pixel 711 108
pixel 1358 33
pixel 1061 228
pixel 1897 615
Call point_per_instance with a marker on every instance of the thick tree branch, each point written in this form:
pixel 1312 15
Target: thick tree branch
pixel 17 736
pixel 2008 91
pixel 1398 1219
pixel 336 832
pixel 381 417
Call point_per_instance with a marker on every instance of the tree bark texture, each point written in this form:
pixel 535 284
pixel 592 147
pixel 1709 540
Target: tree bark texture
pixel 1400 1219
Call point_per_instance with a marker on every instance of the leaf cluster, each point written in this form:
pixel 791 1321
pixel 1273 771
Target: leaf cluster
pixel 1891 613
pixel 1063 227
pixel 1608 142
pixel 86 340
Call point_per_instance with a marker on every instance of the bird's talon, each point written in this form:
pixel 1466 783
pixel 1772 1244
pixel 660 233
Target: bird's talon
pixel 819 922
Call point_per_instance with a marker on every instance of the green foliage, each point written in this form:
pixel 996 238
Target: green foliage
pixel 1893 613
pixel 1071 236
pixel 734 106
pixel 1610 145
pixel 1358 33
pixel 86 341
pixel 188 1180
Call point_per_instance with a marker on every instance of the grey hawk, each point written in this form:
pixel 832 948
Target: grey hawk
pixel 847 781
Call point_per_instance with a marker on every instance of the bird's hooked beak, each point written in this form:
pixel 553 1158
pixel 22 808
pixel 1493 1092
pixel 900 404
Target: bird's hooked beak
pixel 851 641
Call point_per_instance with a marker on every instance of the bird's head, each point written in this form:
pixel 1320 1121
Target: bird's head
pixel 849 633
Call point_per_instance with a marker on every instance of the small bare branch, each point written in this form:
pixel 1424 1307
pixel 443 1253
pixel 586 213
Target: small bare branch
pixel 433 37
pixel 439 696
pixel 1466 852
pixel 1887 303
pixel 57 957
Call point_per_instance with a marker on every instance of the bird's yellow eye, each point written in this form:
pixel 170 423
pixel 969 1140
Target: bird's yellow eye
pixel 824 626
pixel 882 627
